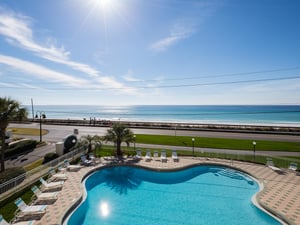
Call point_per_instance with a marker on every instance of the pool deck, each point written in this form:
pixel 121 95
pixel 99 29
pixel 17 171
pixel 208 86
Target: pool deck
pixel 280 195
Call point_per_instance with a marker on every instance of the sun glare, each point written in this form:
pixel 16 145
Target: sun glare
pixel 105 4
pixel 104 209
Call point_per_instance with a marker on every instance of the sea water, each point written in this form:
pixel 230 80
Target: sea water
pixel 284 115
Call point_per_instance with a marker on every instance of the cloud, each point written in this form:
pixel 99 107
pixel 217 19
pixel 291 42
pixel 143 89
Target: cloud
pixel 41 72
pixel 16 28
pixel 129 76
pixel 179 31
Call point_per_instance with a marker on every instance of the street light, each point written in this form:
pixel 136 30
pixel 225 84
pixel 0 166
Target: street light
pixel 254 144
pixel 134 136
pixel 41 115
pixel 193 140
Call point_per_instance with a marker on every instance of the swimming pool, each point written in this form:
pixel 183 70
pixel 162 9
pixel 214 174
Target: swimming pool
pixel 197 195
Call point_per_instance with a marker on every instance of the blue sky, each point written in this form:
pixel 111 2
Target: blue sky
pixel 139 52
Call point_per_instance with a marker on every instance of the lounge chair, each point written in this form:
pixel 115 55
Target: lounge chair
pixel 148 156
pixel 48 196
pixel 72 167
pixel 293 166
pixel 52 185
pixel 155 155
pixel 84 161
pixel 175 156
pixel 4 222
pixel 163 156
pixel 270 164
pixel 33 210
pixel 57 176
pixel 138 154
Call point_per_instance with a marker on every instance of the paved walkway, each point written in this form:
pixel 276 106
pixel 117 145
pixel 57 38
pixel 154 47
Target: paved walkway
pixel 281 193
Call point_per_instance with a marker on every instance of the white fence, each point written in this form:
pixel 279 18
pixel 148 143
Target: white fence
pixel 33 175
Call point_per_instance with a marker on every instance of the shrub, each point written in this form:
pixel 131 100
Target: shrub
pixel 49 157
pixel 20 148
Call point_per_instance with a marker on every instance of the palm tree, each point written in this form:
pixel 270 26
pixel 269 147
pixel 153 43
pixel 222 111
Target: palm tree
pixel 9 110
pixel 89 140
pixel 119 133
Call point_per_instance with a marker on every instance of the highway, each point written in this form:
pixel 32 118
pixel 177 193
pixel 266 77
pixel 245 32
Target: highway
pixel 57 133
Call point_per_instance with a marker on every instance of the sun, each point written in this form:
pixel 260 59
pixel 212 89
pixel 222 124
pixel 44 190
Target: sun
pixel 104 4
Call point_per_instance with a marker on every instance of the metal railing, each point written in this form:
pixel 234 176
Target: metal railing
pixel 31 176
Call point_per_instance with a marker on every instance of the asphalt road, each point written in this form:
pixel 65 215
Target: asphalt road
pixel 58 133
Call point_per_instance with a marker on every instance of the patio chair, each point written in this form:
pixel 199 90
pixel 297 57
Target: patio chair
pixel 71 167
pixel 84 161
pixel 163 156
pixel 138 154
pixel 293 166
pixel 32 210
pixel 57 176
pixel 48 196
pixel 4 222
pixel 155 155
pixel 175 156
pixel 270 164
pixel 52 185
pixel 148 155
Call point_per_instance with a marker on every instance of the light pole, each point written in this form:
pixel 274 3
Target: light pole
pixel 41 115
pixel 134 136
pixel 254 144
pixel 193 140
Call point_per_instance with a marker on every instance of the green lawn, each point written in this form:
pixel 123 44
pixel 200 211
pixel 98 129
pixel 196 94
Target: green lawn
pixel 222 143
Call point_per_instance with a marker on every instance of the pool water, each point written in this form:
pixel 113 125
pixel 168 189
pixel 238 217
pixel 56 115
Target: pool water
pixel 198 195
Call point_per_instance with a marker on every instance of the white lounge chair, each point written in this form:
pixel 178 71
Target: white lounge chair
pixel 51 185
pixel 84 161
pixel 4 222
pixel 72 167
pixel 138 154
pixel 270 164
pixel 48 196
pixel 155 155
pixel 148 156
pixel 57 176
pixel 30 210
pixel 293 166
pixel 163 156
pixel 175 156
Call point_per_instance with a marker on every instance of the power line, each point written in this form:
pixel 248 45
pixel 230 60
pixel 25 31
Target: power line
pixel 160 86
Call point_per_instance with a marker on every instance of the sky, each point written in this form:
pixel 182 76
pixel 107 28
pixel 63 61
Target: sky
pixel 158 52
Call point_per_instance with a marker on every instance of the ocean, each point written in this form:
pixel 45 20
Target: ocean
pixel 282 115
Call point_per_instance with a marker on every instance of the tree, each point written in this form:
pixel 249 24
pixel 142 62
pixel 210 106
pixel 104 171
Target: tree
pixel 9 110
pixel 89 140
pixel 119 133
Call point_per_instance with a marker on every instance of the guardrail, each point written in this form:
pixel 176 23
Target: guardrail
pixel 31 176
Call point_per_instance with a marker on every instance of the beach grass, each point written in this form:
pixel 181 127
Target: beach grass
pixel 218 143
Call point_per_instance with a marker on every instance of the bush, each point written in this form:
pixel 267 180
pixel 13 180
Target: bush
pixel 20 148
pixel 49 157
pixel 11 173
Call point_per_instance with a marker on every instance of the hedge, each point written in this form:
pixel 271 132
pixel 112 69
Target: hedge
pixel 20 148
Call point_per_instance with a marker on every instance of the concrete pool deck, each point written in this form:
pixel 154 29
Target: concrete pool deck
pixel 281 193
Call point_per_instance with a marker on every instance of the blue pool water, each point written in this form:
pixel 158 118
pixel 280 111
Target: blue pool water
pixel 198 195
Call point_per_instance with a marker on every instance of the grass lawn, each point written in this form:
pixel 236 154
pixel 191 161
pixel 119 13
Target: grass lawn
pixel 222 143
pixel 27 131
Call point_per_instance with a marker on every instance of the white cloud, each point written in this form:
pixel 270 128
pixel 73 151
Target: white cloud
pixel 41 72
pixel 17 30
pixel 129 76
pixel 179 31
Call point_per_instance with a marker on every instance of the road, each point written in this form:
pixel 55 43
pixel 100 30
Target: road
pixel 57 134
